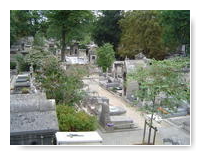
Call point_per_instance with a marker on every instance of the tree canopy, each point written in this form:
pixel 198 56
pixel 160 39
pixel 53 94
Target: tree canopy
pixel 141 32
pixel 107 28
pixel 68 25
pixel 165 80
pixel 24 23
pixel 105 56
pixel 155 33
pixel 176 28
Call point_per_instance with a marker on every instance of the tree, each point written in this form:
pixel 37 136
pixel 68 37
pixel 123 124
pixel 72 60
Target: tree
pixel 24 23
pixel 35 57
pixel 68 25
pixel 162 85
pixel 107 28
pixel 63 86
pixel 105 56
pixel 176 28
pixel 141 32
pixel 39 39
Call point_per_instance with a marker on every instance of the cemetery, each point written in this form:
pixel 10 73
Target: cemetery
pixel 110 117
pixel 83 90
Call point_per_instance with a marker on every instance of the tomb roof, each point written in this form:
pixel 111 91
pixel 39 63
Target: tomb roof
pixel 32 112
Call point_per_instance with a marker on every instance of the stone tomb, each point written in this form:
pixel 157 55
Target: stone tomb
pixel 131 85
pixel 178 133
pixel 22 81
pixel 78 138
pixel 110 83
pixel 116 110
pixel 117 69
pixel 112 123
pixel 33 120
pixel 109 116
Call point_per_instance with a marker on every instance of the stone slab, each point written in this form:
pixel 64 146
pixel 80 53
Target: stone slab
pixel 33 121
pixel 78 138
pixel 22 80
pixel 120 119
pixel 116 110
pixel 22 84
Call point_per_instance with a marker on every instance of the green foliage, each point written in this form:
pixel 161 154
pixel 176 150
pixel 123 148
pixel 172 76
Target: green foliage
pixel 176 28
pixel 107 29
pixel 35 57
pixel 141 32
pixel 39 39
pixel 24 23
pixel 155 33
pixel 25 90
pixel 63 86
pixel 71 120
pixel 22 65
pixel 13 65
pixel 105 56
pixel 163 78
pixel 68 25
pixel 85 41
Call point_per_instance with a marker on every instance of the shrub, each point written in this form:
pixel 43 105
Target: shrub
pixel 35 57
pixel 25 90
pixel 63 86
pixel 105 56
pixel 22 66
pixel 13 65
pixel 71 120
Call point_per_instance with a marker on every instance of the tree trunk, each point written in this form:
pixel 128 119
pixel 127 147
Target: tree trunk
pixel 151 121
pixel 63 46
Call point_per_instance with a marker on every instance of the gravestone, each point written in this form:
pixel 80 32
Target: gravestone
pixel 105 116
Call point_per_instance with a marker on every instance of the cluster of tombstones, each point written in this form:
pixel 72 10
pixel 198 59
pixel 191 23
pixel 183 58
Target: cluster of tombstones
pixel 111 83
pixel 111 118
pixel 114 81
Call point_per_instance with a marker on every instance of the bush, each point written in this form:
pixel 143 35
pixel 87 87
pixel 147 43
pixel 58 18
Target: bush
pixel 105 56
pixel 22 66
pixel 71 120
pixel 25 90
pixel 63 86
pixel 39 39
pixel 35 57
pixel 13 65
